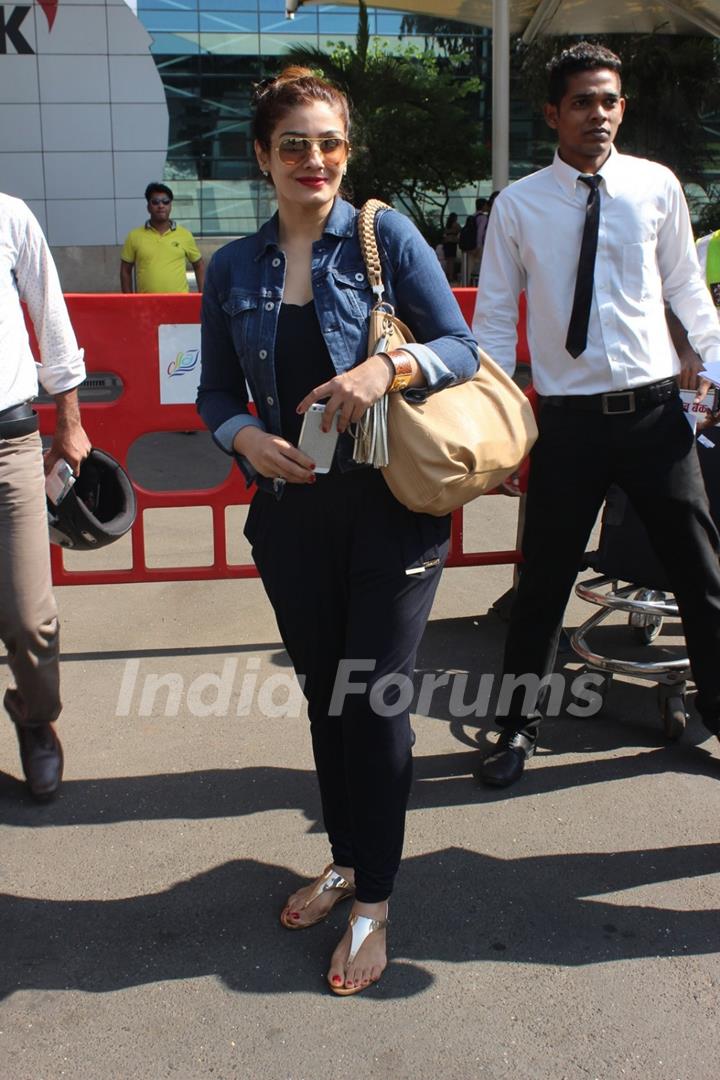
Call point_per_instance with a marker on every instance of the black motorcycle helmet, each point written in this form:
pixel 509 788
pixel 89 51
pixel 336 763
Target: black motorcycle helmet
pixel 99 508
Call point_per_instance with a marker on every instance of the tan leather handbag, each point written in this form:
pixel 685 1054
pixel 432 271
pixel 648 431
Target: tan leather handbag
pixel 438 454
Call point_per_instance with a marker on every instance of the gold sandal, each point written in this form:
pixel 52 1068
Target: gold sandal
pixel 362 927
pixel 328 881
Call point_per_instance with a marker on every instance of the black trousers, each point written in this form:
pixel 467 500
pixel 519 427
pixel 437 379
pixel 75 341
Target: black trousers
pixel 651 455
pixel 333 559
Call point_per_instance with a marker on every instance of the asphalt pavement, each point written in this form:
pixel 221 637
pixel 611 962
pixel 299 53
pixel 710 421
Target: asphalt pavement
pixel 562 929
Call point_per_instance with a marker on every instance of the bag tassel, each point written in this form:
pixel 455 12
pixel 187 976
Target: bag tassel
pixel 371 431
pixel 371 435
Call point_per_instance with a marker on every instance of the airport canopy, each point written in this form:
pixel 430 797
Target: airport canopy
pixel 531 18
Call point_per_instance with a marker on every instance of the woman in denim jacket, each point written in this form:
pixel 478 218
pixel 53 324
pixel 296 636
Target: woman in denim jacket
pixel 350 572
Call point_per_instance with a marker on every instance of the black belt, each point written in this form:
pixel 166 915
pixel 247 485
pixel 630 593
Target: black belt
pixel 17 420
pixel 618 402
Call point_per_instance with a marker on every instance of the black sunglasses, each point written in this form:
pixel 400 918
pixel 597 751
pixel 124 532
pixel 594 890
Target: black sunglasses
pixel 160 202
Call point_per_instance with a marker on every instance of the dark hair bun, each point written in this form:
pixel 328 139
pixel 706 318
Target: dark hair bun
pixel 294 72
pixel 275 82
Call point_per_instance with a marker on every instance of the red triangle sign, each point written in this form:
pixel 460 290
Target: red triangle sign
pixel 50 9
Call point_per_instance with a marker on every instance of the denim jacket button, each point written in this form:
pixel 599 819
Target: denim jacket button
pixel 263 354
pixel 359 277
pixel 269 306
pixel 270 400
pixel 276 262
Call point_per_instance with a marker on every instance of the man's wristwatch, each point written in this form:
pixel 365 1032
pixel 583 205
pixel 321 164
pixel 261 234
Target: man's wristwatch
pixel 401 364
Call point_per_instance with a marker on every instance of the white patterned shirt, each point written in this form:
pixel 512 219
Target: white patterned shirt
pixel 27 272
pixel 645 257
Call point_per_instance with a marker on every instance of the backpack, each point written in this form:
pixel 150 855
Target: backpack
pixel 467 241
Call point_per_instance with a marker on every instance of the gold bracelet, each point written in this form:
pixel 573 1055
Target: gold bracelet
pixel 403 370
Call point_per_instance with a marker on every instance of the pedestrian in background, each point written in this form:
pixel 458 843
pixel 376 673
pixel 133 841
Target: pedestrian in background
pixel 708 250
pixel 451 235
pixel 467 243
pixel 159 250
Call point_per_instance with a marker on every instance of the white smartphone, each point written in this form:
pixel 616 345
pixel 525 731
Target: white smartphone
pixel 59 481
pixel 318 445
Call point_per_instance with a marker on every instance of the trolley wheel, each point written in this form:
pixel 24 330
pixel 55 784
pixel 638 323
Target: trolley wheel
pixel 646 627
pixel 674 716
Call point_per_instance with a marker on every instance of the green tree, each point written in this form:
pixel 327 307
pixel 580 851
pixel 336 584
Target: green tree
pixel 708 213
pixel 451 37
pixel 673 87
pixel 415 134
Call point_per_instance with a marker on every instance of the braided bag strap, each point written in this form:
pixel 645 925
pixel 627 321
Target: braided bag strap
pixel 368 243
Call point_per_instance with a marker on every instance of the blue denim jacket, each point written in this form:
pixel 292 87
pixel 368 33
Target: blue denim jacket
pixel 241 306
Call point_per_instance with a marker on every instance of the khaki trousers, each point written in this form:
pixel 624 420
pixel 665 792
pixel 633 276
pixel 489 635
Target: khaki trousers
pixel 28 615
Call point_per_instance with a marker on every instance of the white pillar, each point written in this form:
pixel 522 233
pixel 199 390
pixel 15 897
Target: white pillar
pixel 500 94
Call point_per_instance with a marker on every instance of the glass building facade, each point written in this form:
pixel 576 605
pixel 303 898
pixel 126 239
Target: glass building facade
pixel 209 53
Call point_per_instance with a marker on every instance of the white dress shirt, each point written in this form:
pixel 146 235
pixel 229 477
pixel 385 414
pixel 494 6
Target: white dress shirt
pixel 645 256
pixel 27 272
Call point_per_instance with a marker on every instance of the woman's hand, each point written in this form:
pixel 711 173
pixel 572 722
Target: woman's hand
pixel 274 457
pixel 352 393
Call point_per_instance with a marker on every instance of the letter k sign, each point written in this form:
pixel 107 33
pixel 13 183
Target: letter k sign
pixel 10 31
pixel 10 28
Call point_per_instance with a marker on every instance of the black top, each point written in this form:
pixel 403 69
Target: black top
pixel 302 362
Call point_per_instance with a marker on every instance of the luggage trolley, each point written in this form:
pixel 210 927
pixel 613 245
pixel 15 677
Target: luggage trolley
pixel 632 580
pixel 646 608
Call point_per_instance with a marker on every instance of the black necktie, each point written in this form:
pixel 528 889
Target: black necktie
pixel 578 328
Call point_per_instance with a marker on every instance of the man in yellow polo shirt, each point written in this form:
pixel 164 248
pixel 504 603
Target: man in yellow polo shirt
pixel 708 251
pixel 159 250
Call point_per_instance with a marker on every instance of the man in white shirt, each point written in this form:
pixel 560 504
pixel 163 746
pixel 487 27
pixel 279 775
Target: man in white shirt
pixel 28 615
pixel 599 240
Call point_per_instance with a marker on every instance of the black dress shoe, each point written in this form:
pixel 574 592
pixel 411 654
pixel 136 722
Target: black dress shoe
pixel 506 763
pixel 42 759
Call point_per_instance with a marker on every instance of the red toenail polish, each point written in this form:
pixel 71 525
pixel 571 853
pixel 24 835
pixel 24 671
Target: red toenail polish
pixel 294 914
pixel 336 979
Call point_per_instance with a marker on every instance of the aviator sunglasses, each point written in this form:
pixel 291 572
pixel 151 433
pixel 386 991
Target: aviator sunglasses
pixel 294 148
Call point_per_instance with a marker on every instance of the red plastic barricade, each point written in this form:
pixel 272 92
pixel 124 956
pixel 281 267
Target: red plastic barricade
pixel 466 300
pixel 151 343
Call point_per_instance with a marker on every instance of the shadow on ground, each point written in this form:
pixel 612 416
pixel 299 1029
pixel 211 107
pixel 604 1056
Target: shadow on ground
pixel 546 909
pixel 468 646
pixel 222 923
pixel 440 780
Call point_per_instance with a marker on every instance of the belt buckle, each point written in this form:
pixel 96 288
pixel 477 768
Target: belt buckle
pixel 629 395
